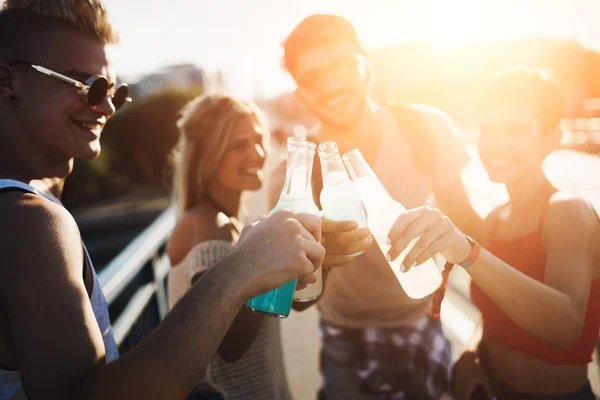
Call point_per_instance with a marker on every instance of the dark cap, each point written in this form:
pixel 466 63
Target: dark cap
pixel 316 30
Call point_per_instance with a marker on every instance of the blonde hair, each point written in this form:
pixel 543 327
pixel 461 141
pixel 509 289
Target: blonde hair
pixel 87 16
pixel 206 132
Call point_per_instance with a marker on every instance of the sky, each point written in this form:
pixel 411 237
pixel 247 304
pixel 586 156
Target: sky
pixel 242 37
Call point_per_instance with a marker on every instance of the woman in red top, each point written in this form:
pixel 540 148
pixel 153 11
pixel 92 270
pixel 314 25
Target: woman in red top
pixel 536 279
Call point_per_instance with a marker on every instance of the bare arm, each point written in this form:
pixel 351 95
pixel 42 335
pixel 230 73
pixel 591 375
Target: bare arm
pixel 560 302
pixel 240 335
pixel 171 361
pixel 557 307
pixel 450 194
pixel 246 324
pixel 454 202
pixel 55 335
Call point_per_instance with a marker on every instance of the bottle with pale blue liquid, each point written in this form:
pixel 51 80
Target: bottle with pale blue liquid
pixel 340 199
pixel 295 196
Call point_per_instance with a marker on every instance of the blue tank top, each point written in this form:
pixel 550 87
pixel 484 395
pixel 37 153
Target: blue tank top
pixel 11 387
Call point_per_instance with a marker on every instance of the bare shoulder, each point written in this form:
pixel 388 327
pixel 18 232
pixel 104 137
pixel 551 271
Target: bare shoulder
pixel 197 225
pixel 569 215
pixel 437 119
pixel 42 291
pixel 569 208
pixel 39 239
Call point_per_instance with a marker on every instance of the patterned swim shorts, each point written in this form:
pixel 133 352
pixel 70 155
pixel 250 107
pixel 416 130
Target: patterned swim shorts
pixel 403 363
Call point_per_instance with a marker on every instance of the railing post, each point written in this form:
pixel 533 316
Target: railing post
pixel 159 281
pixel 117 277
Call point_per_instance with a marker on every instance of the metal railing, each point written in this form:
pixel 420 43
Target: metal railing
pixel 134 282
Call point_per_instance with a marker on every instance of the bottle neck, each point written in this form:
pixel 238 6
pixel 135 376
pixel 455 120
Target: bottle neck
pixel 372 191
pixel 292 144
pixel 357 165
pixel 333 170
pixel 332 167
pixel 299 171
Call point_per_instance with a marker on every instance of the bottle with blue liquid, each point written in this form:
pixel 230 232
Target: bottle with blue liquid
pixel 295 196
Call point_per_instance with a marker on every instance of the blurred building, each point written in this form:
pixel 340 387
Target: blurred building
pixel 286 113
pixel 181 76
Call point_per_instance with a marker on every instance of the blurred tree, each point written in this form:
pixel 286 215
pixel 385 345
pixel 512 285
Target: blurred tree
pixel 136 145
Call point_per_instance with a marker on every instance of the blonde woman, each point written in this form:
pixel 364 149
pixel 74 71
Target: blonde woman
pixel 221 156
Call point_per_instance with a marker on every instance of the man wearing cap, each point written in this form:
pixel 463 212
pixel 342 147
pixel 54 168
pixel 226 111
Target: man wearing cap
pixel 376 340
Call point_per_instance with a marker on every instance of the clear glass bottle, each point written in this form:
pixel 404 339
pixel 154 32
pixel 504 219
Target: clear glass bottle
pixel 340 199
pixel 382 212
pixel 295 196
pixel 314 290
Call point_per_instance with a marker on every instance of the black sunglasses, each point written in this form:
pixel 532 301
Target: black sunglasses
pixel 95 88
pixel 344 69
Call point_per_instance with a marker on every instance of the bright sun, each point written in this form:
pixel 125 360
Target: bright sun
pixel 459 22
pixel 440 23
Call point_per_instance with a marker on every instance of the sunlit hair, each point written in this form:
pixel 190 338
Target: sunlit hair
pixel 537 90
pixel 206 134
pixel 25 23
pixel 317 30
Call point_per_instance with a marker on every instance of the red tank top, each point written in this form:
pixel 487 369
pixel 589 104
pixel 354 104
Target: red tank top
pixel 526 255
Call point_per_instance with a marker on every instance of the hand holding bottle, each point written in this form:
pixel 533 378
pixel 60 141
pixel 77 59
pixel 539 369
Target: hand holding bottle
pixel 382 210
pixel 343 241
pixel 296 196
pixel 345 235
pixel 436 233
pixel 280 248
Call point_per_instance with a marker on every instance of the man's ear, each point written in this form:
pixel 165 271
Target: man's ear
pixel 369 74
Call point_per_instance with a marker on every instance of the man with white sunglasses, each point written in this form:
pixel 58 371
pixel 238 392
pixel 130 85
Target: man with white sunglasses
pixel 57 91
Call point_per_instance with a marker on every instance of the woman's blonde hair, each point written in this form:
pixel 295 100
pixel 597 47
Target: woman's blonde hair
pixel 206 133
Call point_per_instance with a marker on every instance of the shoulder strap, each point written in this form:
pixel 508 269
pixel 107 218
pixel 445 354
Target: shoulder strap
pixel 418 135
pixel 11 184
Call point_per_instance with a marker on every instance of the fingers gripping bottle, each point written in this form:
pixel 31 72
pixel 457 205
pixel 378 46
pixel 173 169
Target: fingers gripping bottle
pixel 340 199
pixel 382 212
pixel 313 290
pixel 295 196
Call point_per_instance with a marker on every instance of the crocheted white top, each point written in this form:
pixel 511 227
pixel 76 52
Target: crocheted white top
pixel 259 374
